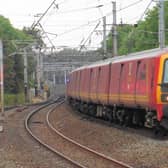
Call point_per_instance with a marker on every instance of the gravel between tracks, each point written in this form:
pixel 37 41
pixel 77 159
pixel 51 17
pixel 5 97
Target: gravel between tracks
pixel 137 150
pixel 18 150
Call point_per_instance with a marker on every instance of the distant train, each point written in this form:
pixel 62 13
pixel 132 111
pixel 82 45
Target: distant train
pixel 129 90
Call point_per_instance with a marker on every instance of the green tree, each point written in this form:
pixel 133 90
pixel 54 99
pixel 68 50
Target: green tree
pixel 35 34
pixel 13 39
pixel 140 37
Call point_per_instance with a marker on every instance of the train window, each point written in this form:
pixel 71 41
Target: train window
pixel 143 72
pixel 165 77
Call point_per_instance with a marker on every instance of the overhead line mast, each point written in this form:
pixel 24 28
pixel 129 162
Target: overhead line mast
pixel 104 38
pixel 114 31
pixel 161 24
pixel 34 25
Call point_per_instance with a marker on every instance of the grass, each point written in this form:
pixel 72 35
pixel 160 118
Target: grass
pixel 14 99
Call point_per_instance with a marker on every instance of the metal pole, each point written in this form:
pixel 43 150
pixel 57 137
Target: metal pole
pixel 161 25
pixel 41 68
pixel 65 77
pixel 41 17
pixel 38 73
pixel 25 76
pixel 54 81
pixel 104 37
pixel 35 87
pixel 114 30
pixel 2 113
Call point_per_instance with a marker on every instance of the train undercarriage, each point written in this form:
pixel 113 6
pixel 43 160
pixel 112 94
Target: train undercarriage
pixel 124 116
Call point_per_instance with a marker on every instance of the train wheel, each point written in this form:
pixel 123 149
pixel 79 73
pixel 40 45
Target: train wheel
pixel 160 131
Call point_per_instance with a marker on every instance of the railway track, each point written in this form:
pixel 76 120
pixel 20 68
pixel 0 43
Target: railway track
pixel 29 121
pixel 72 152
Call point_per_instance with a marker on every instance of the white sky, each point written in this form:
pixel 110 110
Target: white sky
pixel 22 13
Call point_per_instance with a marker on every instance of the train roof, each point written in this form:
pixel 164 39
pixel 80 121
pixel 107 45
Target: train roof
pixel 133 56
pixel 142 54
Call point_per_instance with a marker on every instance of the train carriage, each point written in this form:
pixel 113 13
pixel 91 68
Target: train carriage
pixel 131 89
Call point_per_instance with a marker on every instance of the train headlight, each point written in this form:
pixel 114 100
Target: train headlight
pixel 164 97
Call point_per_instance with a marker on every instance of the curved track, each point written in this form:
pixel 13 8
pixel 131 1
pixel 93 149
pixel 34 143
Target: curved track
pixel 78 155
pixel 30 131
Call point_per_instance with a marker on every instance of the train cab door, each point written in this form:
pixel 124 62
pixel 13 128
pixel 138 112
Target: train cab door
pixel 162 89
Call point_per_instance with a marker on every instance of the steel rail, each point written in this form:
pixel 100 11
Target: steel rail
pixel 43 143
pixel 119 163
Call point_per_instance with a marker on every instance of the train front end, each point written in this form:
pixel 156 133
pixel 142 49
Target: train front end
pixel 162 91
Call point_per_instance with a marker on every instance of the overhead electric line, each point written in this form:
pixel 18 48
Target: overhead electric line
pixel 47 36
pixel 130 5
pixel 146 9
pixel 84 25
pixel 41 17
pixel 54 34
pixel 34 25
pixel 133 30
pixel 81 9
pixel 84 42
pixel 77 28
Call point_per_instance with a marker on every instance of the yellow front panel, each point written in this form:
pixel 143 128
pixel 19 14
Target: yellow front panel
pixel 160 76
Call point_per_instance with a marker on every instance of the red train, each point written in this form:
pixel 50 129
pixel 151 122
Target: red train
pixel 130 89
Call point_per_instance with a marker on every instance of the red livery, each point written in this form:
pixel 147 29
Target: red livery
pixel 131 89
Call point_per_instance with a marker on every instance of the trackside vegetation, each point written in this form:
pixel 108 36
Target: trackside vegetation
pixel 141 36
pixel 13 40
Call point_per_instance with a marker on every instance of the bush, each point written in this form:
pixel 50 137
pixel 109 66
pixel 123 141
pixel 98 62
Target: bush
pixel 14 99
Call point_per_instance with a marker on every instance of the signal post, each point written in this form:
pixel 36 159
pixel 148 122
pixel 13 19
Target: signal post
pixel 2 114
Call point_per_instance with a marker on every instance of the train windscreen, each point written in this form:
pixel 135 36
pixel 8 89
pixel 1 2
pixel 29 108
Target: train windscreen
pixel 165 74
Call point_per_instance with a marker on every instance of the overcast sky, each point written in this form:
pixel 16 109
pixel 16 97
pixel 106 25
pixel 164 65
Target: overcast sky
pixel 71 14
